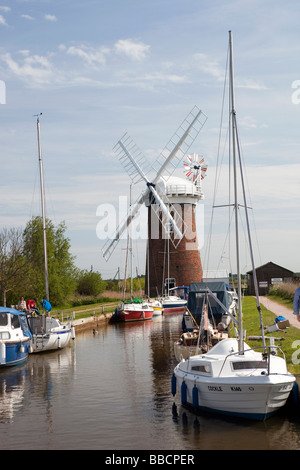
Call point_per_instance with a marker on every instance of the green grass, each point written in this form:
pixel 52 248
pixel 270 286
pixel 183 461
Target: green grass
pixel 84 311
pixel 286 302
pixel 291 335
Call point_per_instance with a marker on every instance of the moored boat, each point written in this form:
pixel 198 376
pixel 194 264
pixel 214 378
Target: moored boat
pixel 15 337
pixel 157 307
pixel 48 333
pixel 192 342
pixel 173 304
pixel 135 310
pixel 253 385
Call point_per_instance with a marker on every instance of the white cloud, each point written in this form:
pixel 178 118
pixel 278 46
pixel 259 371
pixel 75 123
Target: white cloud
pixel 35 69
pixel 93 56
pixel 250 123
pixel 134 50
pixel 27 17
pixel 210 67
pixel 6 9
pixel 3 20
pixel 250 84
pixel 50 17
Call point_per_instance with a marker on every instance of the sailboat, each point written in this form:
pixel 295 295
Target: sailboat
pixel 134 309
pixel 232 378
pixel 48 333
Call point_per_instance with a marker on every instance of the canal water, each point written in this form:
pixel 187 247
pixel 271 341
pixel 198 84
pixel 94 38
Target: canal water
pixel 112 391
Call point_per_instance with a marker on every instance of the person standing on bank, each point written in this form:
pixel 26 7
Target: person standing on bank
pixel 296 303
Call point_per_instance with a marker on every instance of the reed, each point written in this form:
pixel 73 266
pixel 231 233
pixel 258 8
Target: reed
pixel 285 290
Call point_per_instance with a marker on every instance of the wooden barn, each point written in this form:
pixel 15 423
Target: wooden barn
pixel 268 275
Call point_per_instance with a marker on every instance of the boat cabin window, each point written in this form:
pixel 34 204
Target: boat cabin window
pixel 239 365
pixel 3 319
pixel 24 323
pixel 15 321
pixel 202 368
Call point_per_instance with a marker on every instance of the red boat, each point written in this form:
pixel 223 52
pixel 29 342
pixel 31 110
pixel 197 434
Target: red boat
pixel 135 310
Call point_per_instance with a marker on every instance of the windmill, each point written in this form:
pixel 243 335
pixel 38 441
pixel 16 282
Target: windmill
pixel 155 177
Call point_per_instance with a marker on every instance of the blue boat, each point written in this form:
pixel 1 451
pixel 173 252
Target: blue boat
pixel 15 337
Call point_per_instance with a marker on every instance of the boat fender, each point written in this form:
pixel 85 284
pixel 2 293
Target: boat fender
pixel 73 332
pixel 58 342
pixel 183 393
pixel 3 353
pixel 21 349
pixel 173 385
pixel 295 393
pixel 195 396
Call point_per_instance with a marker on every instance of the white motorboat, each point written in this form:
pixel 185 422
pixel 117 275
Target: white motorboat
pixel 48 333
pixel 232 378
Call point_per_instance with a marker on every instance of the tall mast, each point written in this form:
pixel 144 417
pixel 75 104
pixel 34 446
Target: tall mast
pixel 131 253
pixel 234 145
pixel 43 208
pixel 236 153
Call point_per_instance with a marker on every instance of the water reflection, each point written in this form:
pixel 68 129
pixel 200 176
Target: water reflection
pixel 111 389
pixel 205 431
pixel 12 386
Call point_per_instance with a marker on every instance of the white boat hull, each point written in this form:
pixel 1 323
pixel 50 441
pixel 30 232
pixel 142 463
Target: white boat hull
pixel 51 341
pixel 252 393
pixel 49 334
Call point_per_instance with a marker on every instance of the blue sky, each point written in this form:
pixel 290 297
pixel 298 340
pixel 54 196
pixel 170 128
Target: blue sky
pixel 97 69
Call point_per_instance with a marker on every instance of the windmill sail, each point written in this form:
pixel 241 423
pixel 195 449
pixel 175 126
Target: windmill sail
pixel 179 144
pixel 111 244
pixel 138 169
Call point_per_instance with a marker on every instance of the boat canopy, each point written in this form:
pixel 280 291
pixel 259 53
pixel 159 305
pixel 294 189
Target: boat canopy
pixel 22 316
pixel 196 299
pixel 134 301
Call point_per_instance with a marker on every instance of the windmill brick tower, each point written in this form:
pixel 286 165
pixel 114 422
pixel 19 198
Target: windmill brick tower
pixel 171 202
pixel 171 262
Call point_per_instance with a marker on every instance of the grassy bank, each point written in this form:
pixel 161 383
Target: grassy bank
pixel 291 335
pixel 84 311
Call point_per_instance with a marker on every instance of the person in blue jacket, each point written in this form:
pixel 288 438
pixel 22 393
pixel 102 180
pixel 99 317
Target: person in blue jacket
pixel 296 303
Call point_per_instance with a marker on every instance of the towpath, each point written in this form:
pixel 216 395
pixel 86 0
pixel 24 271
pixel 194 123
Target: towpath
pixel 279 309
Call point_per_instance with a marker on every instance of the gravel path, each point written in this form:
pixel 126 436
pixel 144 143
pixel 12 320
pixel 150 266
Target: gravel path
pixel 280 310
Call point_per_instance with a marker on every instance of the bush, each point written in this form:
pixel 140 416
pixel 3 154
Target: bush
pixel 90 283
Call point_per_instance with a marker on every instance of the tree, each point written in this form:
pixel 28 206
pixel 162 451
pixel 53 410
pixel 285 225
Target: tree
pixel 90 283
pixel 61 268
pixel 13 266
